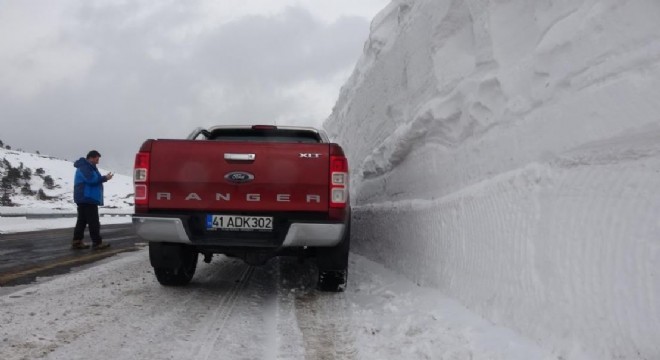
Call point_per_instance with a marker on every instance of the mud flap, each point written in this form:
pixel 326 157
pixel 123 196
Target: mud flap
pixel 333 265
pixel 165 255
pixel 335 258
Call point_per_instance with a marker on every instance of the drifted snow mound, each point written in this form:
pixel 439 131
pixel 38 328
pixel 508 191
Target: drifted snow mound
pixel 508 152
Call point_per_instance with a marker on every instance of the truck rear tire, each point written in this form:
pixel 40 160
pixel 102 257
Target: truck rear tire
pixel 332 280
pixel 333 265
pixel 173 273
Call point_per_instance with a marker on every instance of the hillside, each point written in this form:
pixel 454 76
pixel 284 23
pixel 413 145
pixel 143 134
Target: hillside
pixel 35 183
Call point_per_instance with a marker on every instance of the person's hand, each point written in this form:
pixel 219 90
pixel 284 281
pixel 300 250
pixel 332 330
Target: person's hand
pixel 109 176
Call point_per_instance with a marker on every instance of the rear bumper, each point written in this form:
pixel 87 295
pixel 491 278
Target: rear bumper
pixel 159 229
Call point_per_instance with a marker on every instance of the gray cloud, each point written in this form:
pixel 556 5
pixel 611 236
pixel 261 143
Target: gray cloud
pixel 289 47
pixel 159 74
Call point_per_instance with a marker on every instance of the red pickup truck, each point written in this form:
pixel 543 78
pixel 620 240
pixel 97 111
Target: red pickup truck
pixel 252 192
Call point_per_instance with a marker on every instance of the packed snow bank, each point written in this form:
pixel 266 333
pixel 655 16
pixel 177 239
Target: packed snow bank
pixel 509 154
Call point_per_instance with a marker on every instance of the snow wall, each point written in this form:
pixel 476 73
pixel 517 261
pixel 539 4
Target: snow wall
pixel 508 153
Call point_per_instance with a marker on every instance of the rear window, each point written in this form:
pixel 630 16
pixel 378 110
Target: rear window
pixel 265 135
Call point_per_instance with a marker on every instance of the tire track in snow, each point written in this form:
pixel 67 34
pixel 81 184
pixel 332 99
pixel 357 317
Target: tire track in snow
pixel 184 315
pixel 217 320
pixel 324 331
pixel 169 321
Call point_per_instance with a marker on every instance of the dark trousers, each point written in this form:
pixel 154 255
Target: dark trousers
pixel 88 214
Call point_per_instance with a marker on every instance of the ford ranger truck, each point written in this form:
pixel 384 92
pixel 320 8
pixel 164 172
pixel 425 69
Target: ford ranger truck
pixel 251 192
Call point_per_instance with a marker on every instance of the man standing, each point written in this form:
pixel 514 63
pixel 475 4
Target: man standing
pixel 88 195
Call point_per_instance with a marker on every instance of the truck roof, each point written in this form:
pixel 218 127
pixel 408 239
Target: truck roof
pixel 226 132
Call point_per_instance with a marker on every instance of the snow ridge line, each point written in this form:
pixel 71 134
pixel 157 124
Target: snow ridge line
pixel 534 171
pixel 222 312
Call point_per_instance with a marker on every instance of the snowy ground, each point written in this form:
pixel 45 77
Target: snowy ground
pixel 117 310
pixel 21 223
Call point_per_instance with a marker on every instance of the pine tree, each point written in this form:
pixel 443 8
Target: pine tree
pixel 48 182
pixel 6 185
pixel 27 174
pixel 5 200
pixel 14 175
pixel 41 195
pixel 26 190
pixel 7 190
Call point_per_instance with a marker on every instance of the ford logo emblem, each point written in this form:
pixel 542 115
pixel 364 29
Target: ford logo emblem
pixel 239 177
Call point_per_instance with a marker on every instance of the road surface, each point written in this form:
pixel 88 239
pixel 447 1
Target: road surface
pixel 26 255
pixel 116 309
pixel 108 305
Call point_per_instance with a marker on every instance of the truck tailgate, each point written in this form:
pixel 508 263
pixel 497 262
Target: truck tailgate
pixel 238 176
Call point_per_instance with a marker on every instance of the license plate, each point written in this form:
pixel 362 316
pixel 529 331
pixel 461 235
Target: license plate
pixel 239 223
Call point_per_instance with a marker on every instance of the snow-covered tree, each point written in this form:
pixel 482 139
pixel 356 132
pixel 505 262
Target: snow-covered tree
pixel 48 182
pixel 13 175
pixel 27 174
pixel 26 190
pixel 5 200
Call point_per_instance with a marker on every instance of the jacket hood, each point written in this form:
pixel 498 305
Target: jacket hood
pixel 81 162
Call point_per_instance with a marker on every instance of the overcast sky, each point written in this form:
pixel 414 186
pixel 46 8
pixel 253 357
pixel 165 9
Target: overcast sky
pixel 77 75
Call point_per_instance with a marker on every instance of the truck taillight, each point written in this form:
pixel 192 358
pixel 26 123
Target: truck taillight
pixel 141 177
pixel 338 181
pixel 140 193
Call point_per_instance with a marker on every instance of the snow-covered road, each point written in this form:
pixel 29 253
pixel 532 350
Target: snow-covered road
pixel 117 310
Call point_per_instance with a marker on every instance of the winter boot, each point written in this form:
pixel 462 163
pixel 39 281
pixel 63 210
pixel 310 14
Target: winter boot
pixel 100 246
pixel 78 245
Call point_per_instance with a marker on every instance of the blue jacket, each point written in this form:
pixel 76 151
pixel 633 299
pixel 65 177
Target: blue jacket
pixel 88 183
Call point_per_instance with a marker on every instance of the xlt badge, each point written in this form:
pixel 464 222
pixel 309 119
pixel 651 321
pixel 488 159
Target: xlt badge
pixel 310 155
